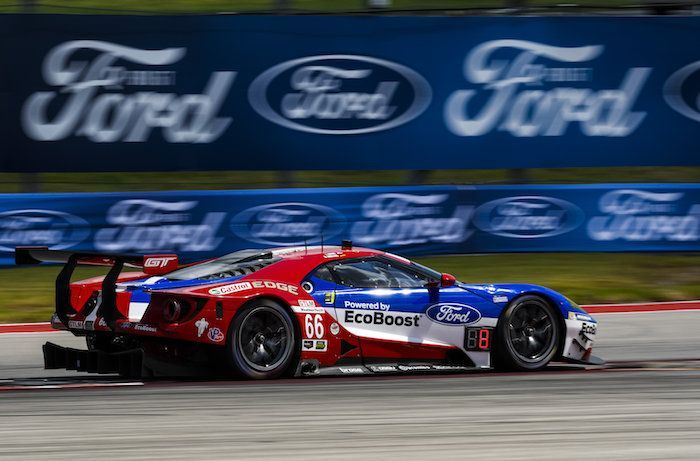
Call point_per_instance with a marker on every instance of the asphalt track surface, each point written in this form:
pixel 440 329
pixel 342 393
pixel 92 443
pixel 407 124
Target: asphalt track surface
pixel 645 405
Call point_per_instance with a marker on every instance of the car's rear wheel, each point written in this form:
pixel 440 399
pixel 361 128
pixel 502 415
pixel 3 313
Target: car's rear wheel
pixel 528 334
pixel 262 341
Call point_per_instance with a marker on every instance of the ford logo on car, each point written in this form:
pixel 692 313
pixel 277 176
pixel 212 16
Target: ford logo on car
pixel 289 223
pixel 453 314
pixel 531 216
pixel 339 94
pixel 54 229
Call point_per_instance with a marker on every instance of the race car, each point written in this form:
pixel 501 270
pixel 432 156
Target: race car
pixel 302 311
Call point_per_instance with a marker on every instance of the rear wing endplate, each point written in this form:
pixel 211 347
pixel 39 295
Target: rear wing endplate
pixel 151 264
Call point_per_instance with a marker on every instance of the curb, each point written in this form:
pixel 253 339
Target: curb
pixel 642 307
pixel 45 327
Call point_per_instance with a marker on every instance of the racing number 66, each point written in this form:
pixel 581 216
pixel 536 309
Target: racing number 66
pixel 313 324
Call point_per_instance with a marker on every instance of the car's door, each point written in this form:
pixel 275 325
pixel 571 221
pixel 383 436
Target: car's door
pixel 383 302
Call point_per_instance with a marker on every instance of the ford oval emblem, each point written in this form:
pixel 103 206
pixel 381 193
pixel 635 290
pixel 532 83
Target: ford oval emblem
pixel 453 314
pixel 288 223
pixel 339 94
pixel 54 229
pixel 530 216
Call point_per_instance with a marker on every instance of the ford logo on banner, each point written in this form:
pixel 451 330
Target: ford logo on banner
pixel 682 91
pixel 54 229
pixel 289 223
pixel 339 94
pixel 529 216
pixel 453 314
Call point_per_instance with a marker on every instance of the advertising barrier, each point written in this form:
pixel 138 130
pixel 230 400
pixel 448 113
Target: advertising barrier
pixel 407 220
pixel 93 93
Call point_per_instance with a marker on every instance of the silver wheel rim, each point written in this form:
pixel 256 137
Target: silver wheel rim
pixel 264 339
pixel 531 331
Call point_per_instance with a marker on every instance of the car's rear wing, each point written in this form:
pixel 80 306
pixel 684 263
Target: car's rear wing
pixel 151 264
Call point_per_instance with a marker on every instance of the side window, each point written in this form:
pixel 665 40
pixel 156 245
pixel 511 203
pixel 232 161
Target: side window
pixel 320 279
pixel 324 273
pixel 373 273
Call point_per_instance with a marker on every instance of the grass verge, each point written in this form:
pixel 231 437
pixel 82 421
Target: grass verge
pixel 26 294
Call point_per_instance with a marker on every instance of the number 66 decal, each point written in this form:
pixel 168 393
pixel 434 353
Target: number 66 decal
pixel 313 326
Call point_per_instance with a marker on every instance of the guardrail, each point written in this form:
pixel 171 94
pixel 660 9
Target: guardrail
pixel 408 220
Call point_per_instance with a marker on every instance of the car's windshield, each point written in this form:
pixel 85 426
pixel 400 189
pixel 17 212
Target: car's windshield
pixel 239 263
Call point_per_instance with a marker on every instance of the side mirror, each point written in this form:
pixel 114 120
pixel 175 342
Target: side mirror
pixel 447 280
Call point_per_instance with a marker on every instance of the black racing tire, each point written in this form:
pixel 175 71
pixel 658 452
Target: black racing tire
pixel 528 334
pixel 262 341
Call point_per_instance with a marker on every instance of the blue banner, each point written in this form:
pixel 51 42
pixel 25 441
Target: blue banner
pixel 406 220
pixel 92 93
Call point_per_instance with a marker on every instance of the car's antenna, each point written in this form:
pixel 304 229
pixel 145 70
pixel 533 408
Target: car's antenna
pixel 321 243
pixel 306 249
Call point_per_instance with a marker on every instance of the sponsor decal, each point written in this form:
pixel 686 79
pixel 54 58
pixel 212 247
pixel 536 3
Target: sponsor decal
pixel 308 310
pixel 34 227
pixel 255 284
pixel 90 324
pixel 307 344
pixel 95 96
pixel 535 89
pixel 500 299
pixel 382 368
pixel 321 345
pixel 378 306
pixel 150 225
pixel 405 219
pixel 307 303
pixel 448 367
pixel 589 329
pixel 414 367
pixel 681 91
pixel 335 328
pixel 231 288
pixel 329 298
pixel 577 316
pixel 288 223
pixel 145 328
pixel 643 216
pixel 76 324
pixel 127 325
pixel 339 94
pixel 215 335
pixel 453 314
pixel 530 216
pixel 351 370
pixel 381 318
pixel 202 326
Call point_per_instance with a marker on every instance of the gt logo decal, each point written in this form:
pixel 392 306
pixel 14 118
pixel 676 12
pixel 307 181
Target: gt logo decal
pixel 159 262
pixel 329 298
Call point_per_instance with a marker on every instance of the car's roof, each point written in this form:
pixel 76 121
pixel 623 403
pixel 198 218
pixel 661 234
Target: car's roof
pixel 296 262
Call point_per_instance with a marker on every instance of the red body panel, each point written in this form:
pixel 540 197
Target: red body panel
pixel 279 281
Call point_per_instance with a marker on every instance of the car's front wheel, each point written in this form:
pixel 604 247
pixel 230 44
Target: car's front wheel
pixel 262 340
pixel 528 334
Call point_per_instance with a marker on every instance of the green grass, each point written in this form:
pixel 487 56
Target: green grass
pixel 111 182
pixel 26 294
pixel 218 6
